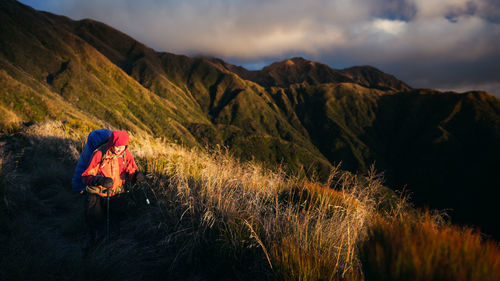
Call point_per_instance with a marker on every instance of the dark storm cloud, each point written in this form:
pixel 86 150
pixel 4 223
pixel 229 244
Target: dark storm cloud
pixel 395 9
pixel 490 10
pixel 437 44
pixel 455 12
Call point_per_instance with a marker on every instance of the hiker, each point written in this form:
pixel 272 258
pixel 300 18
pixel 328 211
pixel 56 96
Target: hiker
pixel 110 167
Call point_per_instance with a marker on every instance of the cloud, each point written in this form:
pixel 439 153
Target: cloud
pixel 421 35
pixel 393 27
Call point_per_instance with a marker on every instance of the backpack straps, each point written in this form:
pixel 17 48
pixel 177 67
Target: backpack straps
pixel 102 148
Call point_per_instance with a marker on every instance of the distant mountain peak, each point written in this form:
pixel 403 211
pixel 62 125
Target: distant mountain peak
pixel 293 71
pixel 296 62
pixel 298 70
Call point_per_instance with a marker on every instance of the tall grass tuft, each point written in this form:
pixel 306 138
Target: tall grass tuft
pixel 302 230
pixel 420 247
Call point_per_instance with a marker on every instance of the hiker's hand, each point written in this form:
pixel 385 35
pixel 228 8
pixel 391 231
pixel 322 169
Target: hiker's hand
pixel 103 181
pixel 107 182
pixel 96 181
pixel 139 177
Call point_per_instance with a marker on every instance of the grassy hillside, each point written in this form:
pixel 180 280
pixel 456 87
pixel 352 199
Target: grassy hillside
pixel 213 217
pixel 110 76
pixel 242 114
pixel 86 80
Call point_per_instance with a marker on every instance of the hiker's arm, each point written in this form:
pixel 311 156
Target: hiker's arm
pixel 91 171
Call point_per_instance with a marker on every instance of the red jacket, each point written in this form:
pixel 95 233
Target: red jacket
pixel 117 167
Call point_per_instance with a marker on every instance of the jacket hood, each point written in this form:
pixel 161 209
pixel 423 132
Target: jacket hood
pixel 118 138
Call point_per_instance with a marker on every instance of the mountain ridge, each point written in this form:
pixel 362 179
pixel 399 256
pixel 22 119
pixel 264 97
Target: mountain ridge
pixel 298 70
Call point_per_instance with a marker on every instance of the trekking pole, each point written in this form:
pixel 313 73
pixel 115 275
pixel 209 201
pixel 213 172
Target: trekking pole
pixel 107 215
pixel 158 204
pixel 145 195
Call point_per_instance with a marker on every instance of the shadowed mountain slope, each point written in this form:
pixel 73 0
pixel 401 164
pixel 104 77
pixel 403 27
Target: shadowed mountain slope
pixel 304 114
pixel 371 77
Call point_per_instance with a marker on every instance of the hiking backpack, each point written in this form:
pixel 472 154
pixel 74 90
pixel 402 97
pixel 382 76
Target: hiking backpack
pixel 95 140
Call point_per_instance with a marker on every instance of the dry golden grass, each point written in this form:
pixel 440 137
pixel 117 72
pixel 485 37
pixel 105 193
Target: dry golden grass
pixel 419 247
pixel 9 121
pixel 305 231
pixel 216 212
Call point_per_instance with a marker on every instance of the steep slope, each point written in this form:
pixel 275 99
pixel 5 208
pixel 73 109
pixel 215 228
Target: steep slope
pixel 335 117
pixel 25 99
pixel 38 48
pixel 138 61
pixel 229 110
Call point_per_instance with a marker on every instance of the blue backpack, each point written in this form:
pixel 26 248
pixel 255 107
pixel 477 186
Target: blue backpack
pixel 94 141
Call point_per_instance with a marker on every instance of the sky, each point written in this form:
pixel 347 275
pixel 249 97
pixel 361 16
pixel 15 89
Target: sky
pixel 439 44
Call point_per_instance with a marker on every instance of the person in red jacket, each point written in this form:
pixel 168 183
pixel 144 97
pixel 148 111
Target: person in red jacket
pixel 104 178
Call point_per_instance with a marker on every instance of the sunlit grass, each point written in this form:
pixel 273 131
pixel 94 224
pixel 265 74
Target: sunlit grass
pixel 417 247
pixel 216 216
pixel 304 231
